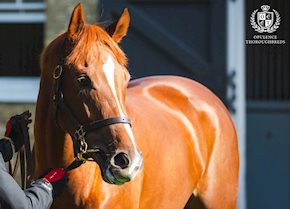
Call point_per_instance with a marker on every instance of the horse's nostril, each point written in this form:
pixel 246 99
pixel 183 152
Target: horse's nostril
pixel 121 160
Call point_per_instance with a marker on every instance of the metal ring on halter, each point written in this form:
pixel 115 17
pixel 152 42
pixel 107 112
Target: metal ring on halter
pixel 84 146
pixel 57 72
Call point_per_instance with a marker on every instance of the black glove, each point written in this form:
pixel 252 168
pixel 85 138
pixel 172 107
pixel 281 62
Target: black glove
pixel 58 178
pixel 15 128
pixel 6 149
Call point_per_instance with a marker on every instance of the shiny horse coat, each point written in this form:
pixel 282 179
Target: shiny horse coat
pixel 182 140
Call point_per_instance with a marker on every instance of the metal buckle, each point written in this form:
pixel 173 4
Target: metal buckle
pixel 83 159
pixel 57 72
pixel 80 136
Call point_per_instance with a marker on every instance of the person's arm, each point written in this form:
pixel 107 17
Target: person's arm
pixel 37 196
pixel 41 192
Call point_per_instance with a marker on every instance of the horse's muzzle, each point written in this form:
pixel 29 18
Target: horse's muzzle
pixel 118 175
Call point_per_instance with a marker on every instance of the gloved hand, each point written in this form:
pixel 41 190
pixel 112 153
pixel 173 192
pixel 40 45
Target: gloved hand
pixel 58 178
pixel 15 127
pixel 6 149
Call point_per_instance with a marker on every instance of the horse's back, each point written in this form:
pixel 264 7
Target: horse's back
pixel 178 115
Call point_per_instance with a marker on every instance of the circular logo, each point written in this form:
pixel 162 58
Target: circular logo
pixel 265 21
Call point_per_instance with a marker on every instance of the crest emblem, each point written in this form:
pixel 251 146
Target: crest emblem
pixel 265 21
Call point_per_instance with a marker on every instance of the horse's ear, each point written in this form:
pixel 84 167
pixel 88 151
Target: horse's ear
pixel 118 29
pixel 77 22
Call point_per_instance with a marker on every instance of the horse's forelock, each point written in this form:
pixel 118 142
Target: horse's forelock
pixel 91 38
pixel 88 39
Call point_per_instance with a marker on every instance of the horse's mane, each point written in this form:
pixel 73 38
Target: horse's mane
pixel 91 37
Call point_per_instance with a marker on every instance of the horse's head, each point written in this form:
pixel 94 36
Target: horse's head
pixel 89 91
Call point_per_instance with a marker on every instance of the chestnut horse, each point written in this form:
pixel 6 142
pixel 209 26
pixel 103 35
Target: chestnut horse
pixel 154 141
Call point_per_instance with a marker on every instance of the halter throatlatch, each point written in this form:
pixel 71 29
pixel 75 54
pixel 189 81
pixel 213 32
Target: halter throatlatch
pixel 79 135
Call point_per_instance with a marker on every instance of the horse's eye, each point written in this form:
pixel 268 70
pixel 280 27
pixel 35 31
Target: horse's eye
pixel 84 81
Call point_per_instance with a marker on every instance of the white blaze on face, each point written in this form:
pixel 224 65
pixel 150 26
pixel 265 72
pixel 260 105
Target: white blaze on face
pixel 109 70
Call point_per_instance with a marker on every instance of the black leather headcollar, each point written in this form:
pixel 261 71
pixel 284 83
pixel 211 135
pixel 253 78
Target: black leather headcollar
pixel 79 136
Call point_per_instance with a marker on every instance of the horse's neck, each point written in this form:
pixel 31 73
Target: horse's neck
pixel 50 140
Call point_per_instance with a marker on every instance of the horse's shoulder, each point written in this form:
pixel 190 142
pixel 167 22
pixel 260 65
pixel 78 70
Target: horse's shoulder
pixel 176 90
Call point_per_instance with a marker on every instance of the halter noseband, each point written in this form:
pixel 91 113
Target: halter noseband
pixel 79 136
